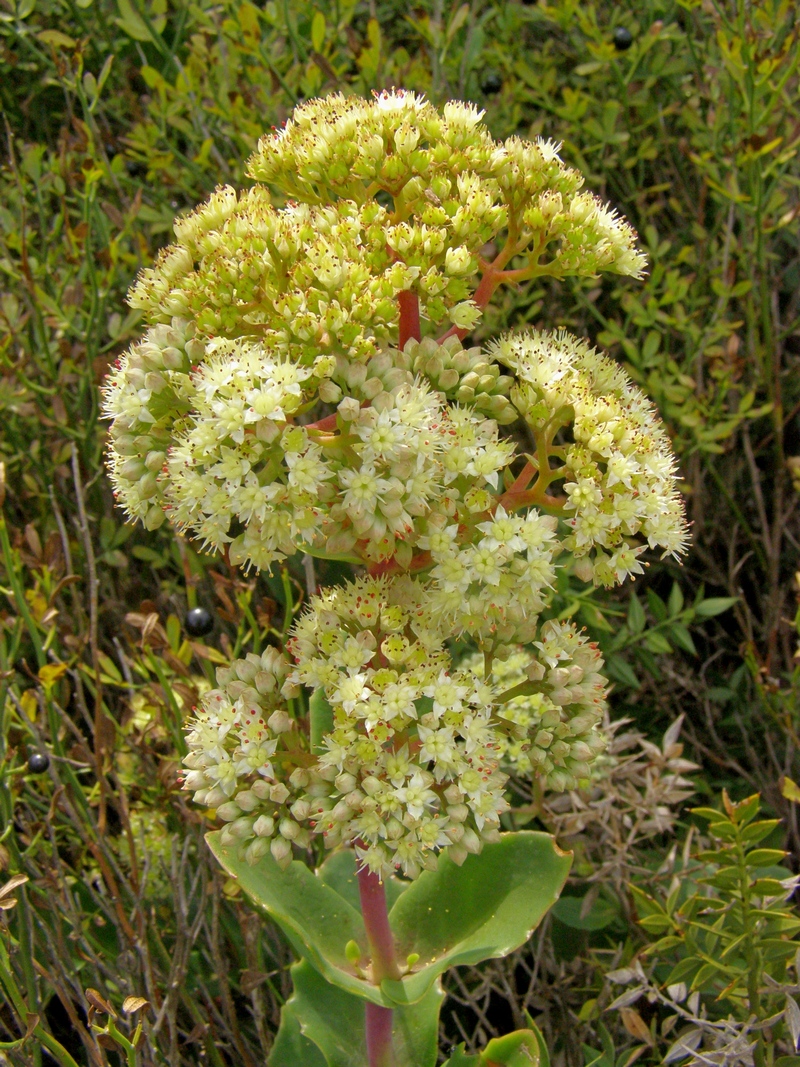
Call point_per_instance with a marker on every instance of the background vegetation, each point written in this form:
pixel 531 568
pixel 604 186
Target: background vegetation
pixel 120 114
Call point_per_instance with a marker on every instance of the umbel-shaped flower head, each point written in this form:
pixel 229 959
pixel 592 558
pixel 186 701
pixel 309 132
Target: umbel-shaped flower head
pixel 418 750
pixel 302 386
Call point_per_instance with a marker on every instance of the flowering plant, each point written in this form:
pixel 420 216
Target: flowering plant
pixel 302 386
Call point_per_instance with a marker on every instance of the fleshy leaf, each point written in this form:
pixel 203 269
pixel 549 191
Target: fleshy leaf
pixel 544 1053
pixel 322 1014
pixel 451 916
pixel 291 1047
pixel 520 1049
pixel 317 920
pixel 482 910
pixel 461 1059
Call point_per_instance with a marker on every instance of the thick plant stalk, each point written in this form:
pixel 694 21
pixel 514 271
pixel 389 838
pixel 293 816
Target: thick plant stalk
pixel 378 1025
pixel 409 318
pixel 378 1020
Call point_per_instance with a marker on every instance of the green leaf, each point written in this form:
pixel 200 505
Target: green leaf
pixel 455 915
pixel 518 1049
pixel 316 919
pixel 131 22
pixel 544 1054
pixel 482 910
pixel 757 831
pixel 768 887
pixel 726 879
pixel 681 971
pixel 334 1021
pixel 645 905
pixel 321 714
pixel 682 638
pixel 706 972
pixel 656 924
pixel 621 671
pixel 636 615
pixel 461 1059
pixel 715 605
pixel 291 1047
pixel 765 857
pixel 711 814
pixel 656 642
pixel 600 915
pixel 657 606
pixel 675 602
pixel 317 31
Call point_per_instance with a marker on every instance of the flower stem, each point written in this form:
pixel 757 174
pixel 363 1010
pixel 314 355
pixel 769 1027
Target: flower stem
pixel 378 1022
pixel 376 924
pixel 377 1019
pixel 409 318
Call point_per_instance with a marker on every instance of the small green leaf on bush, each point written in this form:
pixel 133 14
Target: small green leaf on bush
pixel 765 857
pixel 317 31
pixel 569 910
pixel 715 605
pixel 675 602
pixel 636 615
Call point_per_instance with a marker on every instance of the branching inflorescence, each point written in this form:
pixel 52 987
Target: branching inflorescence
pixel 302 387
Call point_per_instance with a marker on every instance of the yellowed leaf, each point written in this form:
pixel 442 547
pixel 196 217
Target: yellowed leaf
pixel 29 704
pixel 132 1004
pixel 50 673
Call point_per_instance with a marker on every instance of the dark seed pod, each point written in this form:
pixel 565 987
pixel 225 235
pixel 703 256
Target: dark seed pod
pixel 38 762
pixel 198 622
pixel 623 39
pixel 492 83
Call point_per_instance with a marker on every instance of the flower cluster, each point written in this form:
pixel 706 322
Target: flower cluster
pixel 414 746
pixel 493 582
pixel 450 181
pixel 555 697
pixel 301 387
pixel 238 749
pixel 618 470
pixel 232 454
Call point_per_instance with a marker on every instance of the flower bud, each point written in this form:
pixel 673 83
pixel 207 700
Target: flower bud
pixel 281 852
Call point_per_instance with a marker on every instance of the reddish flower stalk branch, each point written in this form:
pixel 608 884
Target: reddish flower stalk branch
pixel 409 318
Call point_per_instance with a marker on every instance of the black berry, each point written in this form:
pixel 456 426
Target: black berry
pixel 38 762
pixel 198 622
pixel 623 39
pixel 492 83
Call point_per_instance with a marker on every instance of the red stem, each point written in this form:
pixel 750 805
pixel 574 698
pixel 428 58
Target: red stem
pixel 376 924
pixel 409 318
pixel 378 1020
pixel 328 423
pixel 378 1026
pixel 491 280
